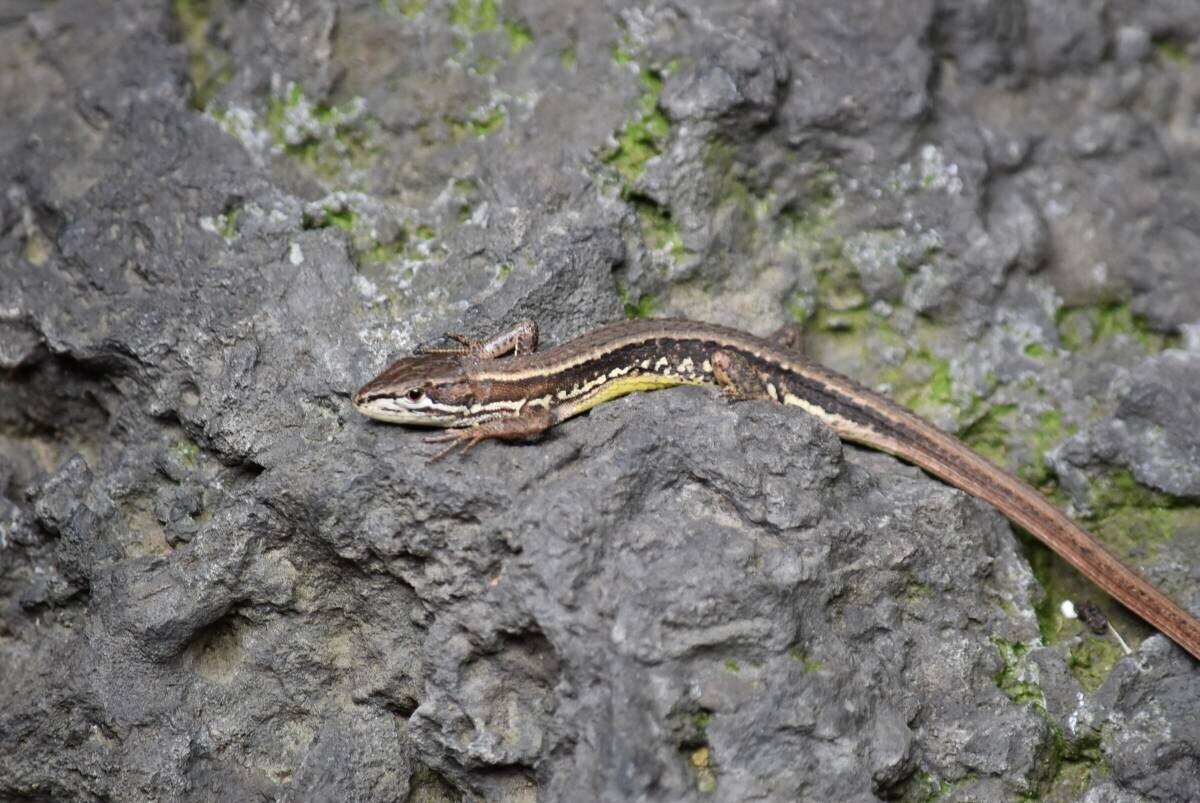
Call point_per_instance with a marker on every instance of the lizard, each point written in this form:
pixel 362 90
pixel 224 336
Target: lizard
pixel 504 388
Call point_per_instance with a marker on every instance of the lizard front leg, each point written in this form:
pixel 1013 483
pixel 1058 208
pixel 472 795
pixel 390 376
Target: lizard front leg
pixel 527 424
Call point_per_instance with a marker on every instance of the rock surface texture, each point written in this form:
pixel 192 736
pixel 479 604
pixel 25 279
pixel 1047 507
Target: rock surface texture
pixel 218 218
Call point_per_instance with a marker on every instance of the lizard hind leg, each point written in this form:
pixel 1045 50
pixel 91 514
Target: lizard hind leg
pixel 738 379
pixel 790 336
pixel 520 338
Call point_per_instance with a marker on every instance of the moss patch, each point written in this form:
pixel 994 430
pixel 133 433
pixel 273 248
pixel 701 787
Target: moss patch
pixel 519 36
pixel 484 122
pixel 341 217
pixel 1068 768
pixel 227 223
pixel 1011 679
pixel 939 380
pixel 989 434
pixel 381 252
pixel 659 231
pixel 332 142
pixel 623 50
pixel 411 243
pixel 1173 53
pixel 478 16
pixel 796 653
pixel 643 306
pixel 641 139
pixel 209 67
pixel 839 287
pixel 915 594
pixel 1049 432
pixel 1080 327
pixel 926 788
pixel 186 453
pixel 644 136
pixel 1093 659
pixel 1131 518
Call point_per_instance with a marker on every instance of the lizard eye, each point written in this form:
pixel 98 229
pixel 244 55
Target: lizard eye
pixel 414 394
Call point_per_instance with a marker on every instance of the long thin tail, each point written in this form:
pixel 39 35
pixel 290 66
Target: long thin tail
pixel 901 433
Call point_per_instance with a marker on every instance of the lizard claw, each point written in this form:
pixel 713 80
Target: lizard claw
pixel 468 439
pixel 453 439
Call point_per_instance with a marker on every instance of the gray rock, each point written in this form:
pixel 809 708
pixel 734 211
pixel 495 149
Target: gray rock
pixel 1065 35
pixel 743 80
pixel 1153 754
pixel 1133 44
pixel 219 582
pixel 1151 431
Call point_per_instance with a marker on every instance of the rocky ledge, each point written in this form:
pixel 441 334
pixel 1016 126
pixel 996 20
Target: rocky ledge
pixel 219 218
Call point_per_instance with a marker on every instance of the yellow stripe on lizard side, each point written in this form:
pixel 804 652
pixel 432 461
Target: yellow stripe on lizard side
pixel 623 386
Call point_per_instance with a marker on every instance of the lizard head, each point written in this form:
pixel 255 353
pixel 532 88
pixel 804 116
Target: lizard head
pixel 427 390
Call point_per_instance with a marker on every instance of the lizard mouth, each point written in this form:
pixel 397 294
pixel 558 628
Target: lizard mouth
pixel 393 411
